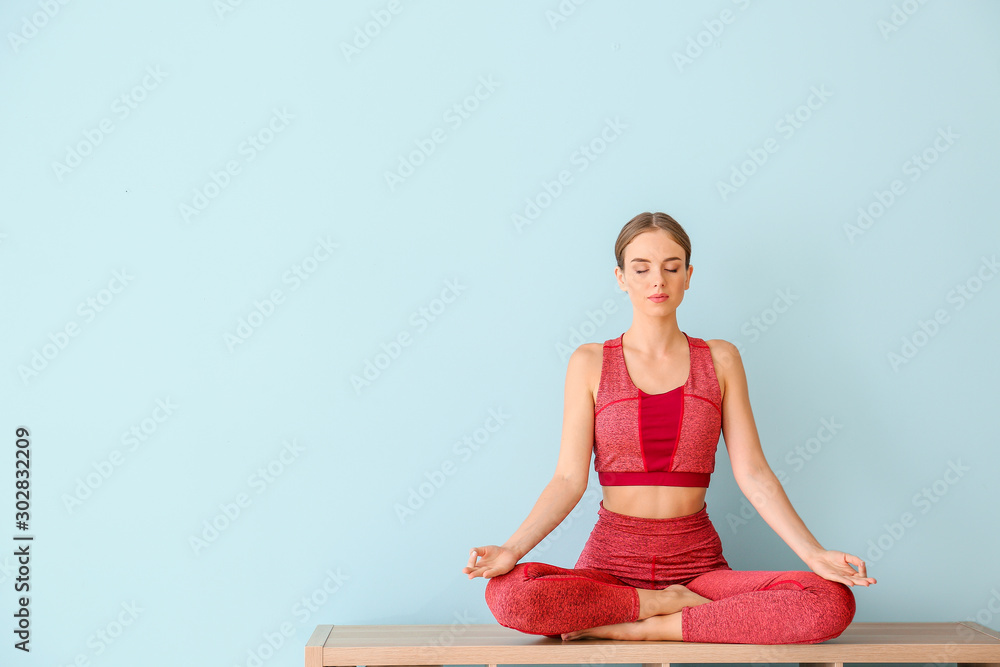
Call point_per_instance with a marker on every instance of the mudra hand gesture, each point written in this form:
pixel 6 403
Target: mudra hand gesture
pixel 493 561
pixel 836 566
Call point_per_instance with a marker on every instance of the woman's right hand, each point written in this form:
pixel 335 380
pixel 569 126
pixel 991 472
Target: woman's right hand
pixel 493 561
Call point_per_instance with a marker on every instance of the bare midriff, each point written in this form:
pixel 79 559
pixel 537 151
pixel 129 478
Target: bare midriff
pixel 654 502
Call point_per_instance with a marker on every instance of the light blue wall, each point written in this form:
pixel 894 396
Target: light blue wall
pixel 158 206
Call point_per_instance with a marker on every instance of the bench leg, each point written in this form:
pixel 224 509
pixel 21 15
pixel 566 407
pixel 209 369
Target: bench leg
pixel 314 647
pixel 978 664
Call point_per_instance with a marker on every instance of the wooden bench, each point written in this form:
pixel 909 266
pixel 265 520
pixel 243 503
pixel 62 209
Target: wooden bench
pixel 964 643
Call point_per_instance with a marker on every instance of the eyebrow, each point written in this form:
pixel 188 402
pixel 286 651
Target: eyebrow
pixel 640 259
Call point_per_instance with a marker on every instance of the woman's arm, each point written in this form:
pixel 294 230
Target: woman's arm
pixel 759 483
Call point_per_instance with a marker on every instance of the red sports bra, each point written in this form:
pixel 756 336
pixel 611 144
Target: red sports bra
pixel 664 439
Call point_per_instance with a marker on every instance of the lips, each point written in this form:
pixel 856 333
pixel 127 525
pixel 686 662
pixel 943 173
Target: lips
pixel 658 297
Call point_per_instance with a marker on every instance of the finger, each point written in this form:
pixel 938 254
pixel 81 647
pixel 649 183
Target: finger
pixel 833 576
pixel 482 571
pixel 857 561
pixel 864 581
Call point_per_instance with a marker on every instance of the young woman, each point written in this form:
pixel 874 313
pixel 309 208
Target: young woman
pixel 651 404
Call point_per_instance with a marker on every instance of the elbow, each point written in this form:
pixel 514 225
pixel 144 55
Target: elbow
pixel 754 473
pixel 573 486
pixel 755 480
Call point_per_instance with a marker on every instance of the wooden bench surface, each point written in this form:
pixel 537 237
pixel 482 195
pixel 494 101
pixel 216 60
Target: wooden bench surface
pixel 965 643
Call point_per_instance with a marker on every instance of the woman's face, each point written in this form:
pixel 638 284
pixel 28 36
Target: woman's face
pixel 654 264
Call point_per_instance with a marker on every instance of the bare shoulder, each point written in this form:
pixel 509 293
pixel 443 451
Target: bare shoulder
pixel 588 354
pixel 726 359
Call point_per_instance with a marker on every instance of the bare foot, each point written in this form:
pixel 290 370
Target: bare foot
pixel 663 628
pixel 667 600
pixel 687 597
pixel 632 630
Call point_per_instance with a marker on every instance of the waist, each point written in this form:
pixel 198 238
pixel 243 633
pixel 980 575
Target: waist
pixel 654 526
pixel 661 502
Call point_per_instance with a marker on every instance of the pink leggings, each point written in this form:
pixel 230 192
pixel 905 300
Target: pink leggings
pixel 626 552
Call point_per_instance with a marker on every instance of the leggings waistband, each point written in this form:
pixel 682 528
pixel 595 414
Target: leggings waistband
pixel 652 526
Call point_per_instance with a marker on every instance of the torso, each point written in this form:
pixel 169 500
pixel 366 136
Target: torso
pixel 653 502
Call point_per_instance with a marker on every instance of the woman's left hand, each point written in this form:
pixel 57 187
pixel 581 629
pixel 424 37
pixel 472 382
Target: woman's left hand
pixel 836 566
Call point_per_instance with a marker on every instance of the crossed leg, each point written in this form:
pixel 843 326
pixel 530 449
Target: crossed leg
pixel 538 598
pixel 747 607
pixel 768 607
pixel 721 606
